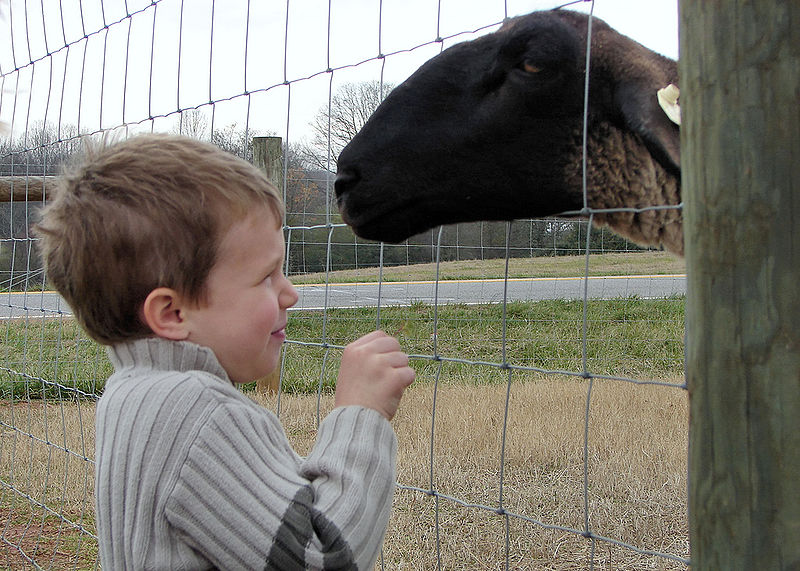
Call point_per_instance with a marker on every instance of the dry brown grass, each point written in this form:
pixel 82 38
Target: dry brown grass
pixel 45 460
pixel 636 476
pixel 612 264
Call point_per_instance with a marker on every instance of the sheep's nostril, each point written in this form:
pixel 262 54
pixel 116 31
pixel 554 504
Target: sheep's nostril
pixel 346 179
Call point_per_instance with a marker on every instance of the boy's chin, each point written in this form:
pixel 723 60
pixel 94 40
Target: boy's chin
pixel 266 376
pixel 266 367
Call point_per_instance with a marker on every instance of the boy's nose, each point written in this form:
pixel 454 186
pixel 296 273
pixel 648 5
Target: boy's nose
pixel 289 295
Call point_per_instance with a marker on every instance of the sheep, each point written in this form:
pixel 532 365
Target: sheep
pixel 492 129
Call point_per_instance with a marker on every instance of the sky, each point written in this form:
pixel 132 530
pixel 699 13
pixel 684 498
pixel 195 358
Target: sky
pixel 101 64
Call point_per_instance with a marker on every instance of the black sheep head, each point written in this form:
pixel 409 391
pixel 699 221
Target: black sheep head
pixel 492 129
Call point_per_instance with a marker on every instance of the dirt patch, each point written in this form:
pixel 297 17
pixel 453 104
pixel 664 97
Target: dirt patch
pixel 52 542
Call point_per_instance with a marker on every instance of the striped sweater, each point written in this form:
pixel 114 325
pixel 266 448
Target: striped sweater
pixel 191 474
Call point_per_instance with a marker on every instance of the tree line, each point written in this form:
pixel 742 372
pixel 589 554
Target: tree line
pixel 316 238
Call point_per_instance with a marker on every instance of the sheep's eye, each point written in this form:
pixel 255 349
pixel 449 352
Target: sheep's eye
pixel 530 67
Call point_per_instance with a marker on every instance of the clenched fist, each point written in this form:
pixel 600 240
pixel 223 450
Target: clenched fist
pixel 374 373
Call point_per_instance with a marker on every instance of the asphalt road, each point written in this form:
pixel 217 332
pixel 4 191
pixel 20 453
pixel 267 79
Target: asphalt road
pixel 488 291
pixel 47 304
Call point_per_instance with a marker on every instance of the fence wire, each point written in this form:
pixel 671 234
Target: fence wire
pixel 227 72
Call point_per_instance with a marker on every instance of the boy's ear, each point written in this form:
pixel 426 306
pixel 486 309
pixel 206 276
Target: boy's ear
pixel 162 311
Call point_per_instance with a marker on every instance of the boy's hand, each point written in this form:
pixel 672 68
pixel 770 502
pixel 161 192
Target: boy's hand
pixel 374 373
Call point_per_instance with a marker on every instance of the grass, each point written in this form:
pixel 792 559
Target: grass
pixel 465 358
pixel 45 451
pixel 628 263
pixel 627 337
pixel 636 475
pixel 50 358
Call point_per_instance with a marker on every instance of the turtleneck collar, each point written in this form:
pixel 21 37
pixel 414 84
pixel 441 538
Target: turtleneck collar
pixel 163 354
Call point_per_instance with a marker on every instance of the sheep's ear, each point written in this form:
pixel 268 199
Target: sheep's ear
pixel 644 115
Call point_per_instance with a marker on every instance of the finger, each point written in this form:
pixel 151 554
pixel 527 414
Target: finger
pixel 376 344
pixel 407 375
pixel 396 359
pixel 368 338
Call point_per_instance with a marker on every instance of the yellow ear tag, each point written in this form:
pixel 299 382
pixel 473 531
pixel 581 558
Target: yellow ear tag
pixel 668 99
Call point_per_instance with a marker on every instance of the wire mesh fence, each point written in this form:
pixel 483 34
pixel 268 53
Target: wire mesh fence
pixel 547 427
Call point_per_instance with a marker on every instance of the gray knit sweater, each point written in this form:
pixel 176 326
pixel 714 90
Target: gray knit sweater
pixel 191 474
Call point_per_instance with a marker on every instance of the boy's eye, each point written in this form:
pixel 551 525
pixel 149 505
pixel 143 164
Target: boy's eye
pixel 274 273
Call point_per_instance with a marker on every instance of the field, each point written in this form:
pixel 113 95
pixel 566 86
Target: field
pixel 476 480
pixel 636 476
pixel 614 264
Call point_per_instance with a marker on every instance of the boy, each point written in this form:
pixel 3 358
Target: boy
pixel 170 251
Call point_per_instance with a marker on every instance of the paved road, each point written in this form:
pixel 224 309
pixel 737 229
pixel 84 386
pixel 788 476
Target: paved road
pixel 489 291
pixel 403 293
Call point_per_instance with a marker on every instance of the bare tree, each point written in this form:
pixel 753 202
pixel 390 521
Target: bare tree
pixel 334 127
pixel 40 150
pixel 234 140
pixel 192 123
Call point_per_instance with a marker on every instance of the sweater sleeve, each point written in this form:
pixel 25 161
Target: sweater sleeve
pixel 245 500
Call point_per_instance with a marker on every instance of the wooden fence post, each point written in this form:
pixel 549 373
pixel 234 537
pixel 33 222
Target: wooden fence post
pixel 268 156
pixel 740 83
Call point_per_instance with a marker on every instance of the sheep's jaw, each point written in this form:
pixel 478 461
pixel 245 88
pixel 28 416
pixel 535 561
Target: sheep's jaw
pixel 394 222
pixel 391 205
pixel 386 223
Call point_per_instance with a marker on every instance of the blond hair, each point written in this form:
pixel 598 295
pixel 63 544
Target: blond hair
pixel 144 213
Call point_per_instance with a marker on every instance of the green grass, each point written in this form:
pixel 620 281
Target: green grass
pixel 626 337
pixel 50 358
pixel 628 263
pixel 630 337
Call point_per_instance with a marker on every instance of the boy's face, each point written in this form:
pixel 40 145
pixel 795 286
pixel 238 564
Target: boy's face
pixel 244 318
